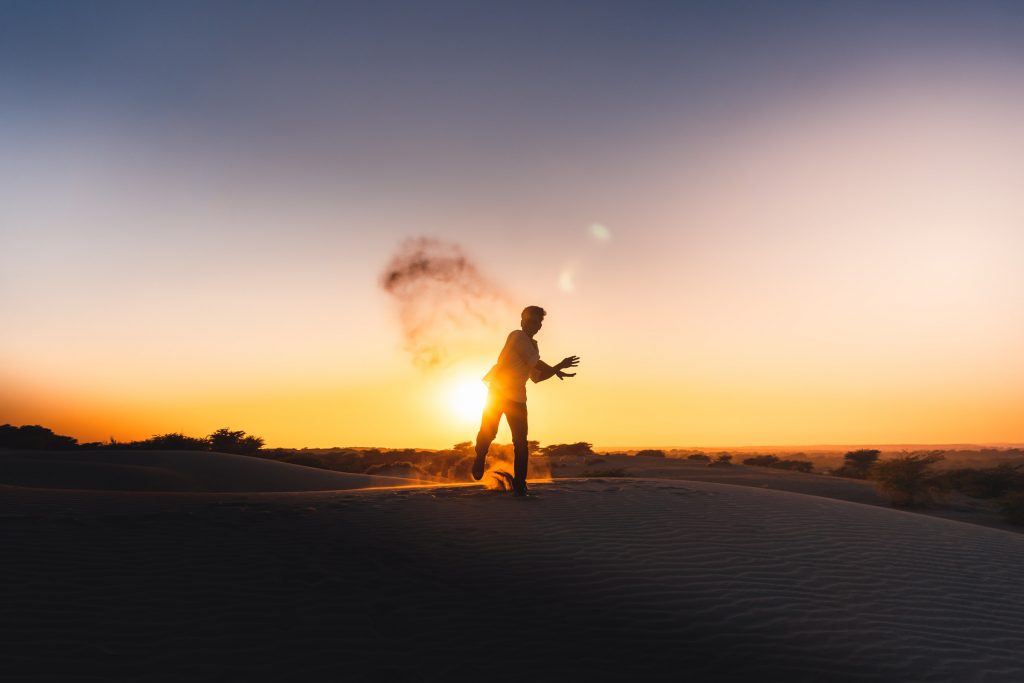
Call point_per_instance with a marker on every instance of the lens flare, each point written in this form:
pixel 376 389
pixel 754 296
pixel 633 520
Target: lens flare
pixel 599 232
pixel 565 282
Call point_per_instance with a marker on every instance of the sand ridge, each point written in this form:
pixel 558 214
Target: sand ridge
pixel 198 471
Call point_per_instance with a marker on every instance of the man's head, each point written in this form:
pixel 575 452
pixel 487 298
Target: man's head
pixel 532 319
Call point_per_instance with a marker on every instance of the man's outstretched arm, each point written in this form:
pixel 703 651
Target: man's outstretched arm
pixel 543 371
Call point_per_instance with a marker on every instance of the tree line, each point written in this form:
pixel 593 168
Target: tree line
pixel 37 437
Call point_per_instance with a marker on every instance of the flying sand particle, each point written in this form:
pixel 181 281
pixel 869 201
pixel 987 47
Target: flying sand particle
pixel 442 299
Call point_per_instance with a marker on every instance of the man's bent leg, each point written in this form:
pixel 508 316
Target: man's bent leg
pixel 515 413
pixel 488 430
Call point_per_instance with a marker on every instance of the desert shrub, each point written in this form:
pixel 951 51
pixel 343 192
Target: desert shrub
pixel 226 441
pixel 779 463
pixel 857 464
pixel 173 442
pixel 1012 507
pixel 600 474
pixel 907 480
pixel 594 461
pixel 580 449
pixel 34 437
pixel 762 461
pixel 722 460
pixel 464 448
pixel 651 453
pixel 700 457
pixel 991 482
pixel 796 465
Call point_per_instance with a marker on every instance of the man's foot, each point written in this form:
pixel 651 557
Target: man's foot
pixel 478 467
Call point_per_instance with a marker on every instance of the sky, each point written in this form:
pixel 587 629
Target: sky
pixel 756 223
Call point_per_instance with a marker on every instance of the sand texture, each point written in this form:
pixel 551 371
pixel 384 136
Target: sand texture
pixel 592 580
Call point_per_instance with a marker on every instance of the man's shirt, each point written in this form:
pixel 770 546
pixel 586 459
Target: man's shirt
pixel 515 365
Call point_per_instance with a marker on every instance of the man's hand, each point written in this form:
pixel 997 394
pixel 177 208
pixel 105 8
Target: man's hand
pixel 570 362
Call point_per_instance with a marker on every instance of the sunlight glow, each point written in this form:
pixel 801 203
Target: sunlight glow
pixel 466 398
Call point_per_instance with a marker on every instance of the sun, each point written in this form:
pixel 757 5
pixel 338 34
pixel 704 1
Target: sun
pixel 466 398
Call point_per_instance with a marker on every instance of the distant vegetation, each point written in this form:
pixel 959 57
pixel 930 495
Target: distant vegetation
pixel 223 440
pixel 226 441
pixel 169 442
pixel 1004 484
pixel 857 464
pixel 992 482
pixel 779 463
pixel 908 481
pixel 912 479
pixel 1012 507
pixel 580 449
pixel 35 437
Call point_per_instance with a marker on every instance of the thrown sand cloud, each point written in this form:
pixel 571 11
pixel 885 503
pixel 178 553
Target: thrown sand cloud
pixel 444 302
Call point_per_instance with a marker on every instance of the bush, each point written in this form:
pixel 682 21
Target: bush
pixel 464 448
pixel 723 460
pixel 857 464
pixel 991 482
pixel 226 441
pixel 701 457
pixel 779 463
pixel 907 480
pixel 173 442
pixel 650 453
pixel 1012 507
pixel 762 461
pixel 34 437
pixel 580 449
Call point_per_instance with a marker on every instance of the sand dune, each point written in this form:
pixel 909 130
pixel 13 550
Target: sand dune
pixel 955 505
pixel 172 471
pixel 593 580
pixel 762 477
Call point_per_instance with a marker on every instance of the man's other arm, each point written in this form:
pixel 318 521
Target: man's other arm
pixel 542 371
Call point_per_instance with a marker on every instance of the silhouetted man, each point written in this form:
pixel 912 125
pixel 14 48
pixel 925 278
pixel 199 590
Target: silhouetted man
pixel 519 361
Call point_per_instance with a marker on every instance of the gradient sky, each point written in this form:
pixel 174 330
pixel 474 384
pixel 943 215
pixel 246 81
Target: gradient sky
pixel 814 213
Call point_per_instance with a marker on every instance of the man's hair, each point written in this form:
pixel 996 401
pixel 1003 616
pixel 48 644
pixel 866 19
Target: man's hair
pixel 533 312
